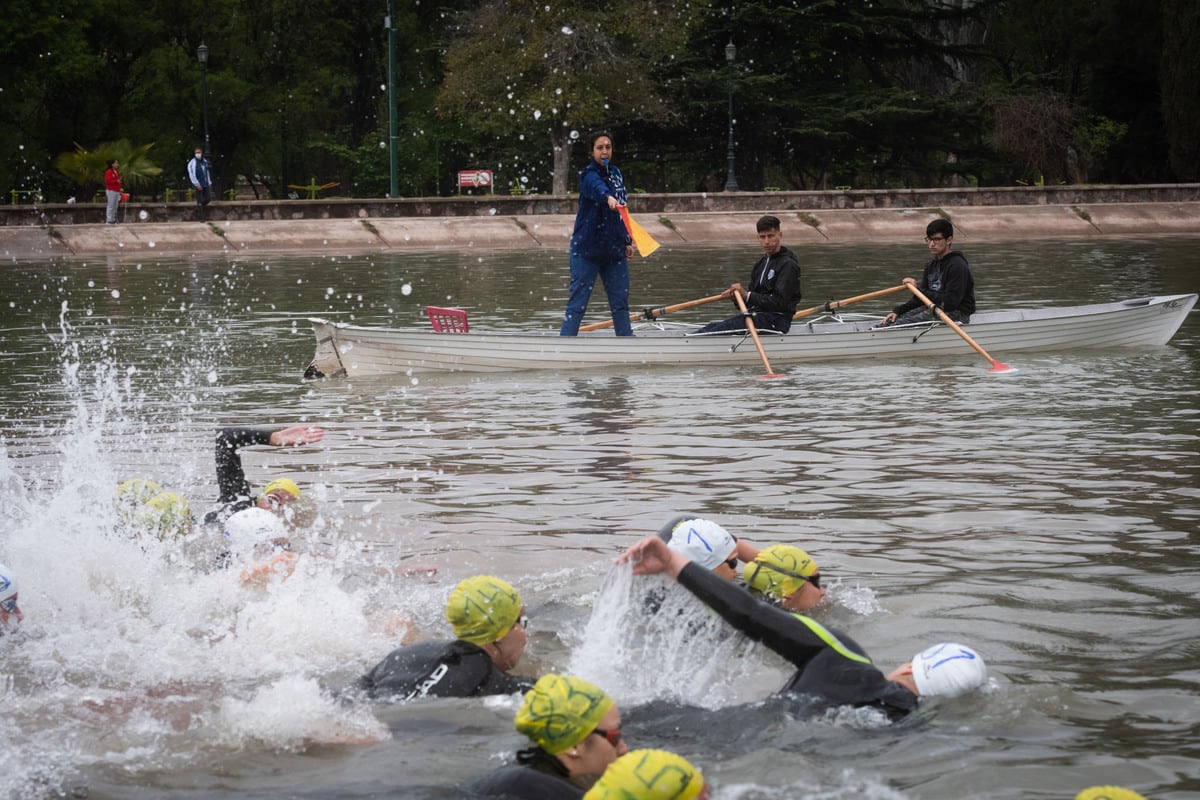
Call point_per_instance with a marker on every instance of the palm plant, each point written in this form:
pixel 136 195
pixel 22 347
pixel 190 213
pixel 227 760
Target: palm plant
pixel 87 166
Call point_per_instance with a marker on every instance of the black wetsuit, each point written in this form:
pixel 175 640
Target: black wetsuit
pixel 439 669
pixel 525 782
pixel 948 283
pixel 231 478
pixel 832 669
pixel 774 290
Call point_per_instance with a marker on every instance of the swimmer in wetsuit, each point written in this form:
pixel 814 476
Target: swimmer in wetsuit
pixel 831 668
pixel 489 621
pixel 576 731
pixel 234 489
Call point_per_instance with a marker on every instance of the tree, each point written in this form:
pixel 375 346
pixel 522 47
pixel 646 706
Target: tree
pixel 557 70
pixel 1180 77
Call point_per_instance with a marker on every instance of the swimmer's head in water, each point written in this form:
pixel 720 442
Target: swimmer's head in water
pixel 948 670
pixel 1108 793
pixel 483 609
pixel 648 775
pixel 560 711
pixel 165 515
pixel 779 570
pixel 10 612
pixel 251 527
pixel 703 541
pixel 278 494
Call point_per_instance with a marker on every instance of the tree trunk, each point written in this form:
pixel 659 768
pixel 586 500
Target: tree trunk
pixel 560 140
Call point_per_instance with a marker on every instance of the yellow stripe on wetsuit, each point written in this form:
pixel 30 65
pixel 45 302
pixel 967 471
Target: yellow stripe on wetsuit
pixel 831 640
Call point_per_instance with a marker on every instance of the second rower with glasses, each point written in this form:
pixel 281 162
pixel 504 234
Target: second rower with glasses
pixel 946 281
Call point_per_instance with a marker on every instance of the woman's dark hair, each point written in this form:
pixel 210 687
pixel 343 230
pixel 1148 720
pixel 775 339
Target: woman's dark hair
pixel 111 162
pixel 593 136
pixel 539 759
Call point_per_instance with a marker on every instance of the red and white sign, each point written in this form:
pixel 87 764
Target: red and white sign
pixel 475 178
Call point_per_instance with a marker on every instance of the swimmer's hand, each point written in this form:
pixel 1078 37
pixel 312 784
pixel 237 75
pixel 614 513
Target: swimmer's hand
pixel 297 435
pixel 651 556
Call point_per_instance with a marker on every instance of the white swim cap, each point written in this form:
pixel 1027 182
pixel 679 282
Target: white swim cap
pixel 703 541
pixel 8 583
pixel 252 526
pixel 948 670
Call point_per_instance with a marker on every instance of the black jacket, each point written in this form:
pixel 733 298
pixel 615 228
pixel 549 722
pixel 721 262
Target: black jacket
pixel 948 283
pixel 775 283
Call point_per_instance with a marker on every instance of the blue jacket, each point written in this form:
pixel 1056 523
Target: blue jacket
pixel 599 234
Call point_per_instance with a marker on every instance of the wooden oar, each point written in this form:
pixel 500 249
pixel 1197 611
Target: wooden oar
pixel 833 305
pixel 944 317
pixel 655 313
pixel 750 326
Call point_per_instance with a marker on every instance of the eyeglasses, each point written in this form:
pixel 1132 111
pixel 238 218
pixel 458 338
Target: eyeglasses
pixel 613 737
pixel 523 621
pixel 814 579
pixel 732 563
pixel 935 238
pixel 9 605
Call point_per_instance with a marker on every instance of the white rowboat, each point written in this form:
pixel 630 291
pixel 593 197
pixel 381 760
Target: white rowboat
pixel 353 350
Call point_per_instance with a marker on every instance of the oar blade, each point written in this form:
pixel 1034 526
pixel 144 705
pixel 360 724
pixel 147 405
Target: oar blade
pixel 1000 369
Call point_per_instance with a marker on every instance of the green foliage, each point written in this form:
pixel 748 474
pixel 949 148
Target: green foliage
pixel 825 93
pixel 86 167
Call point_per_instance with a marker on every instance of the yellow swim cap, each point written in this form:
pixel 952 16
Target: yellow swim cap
pixel 166 514
pixel 648 775
pixel 287 484
pixel 560 711
pixel 483 609
pixel 132 496
pixel 1108 793
pixel 778 571
pixel 137 490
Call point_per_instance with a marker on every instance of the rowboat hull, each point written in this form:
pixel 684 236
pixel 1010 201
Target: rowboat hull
pixel 353 350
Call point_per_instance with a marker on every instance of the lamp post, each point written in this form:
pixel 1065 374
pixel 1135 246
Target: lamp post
pixel 202 55
pixel 393 140
pixel 730 180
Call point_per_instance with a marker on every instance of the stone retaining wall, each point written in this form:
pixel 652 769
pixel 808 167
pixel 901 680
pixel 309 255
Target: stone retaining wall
pixel 363 226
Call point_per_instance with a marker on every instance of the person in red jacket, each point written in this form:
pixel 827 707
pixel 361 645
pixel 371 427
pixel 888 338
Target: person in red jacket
pixel 112 191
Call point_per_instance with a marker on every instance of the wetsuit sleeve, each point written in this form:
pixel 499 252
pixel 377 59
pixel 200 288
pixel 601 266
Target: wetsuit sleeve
pixel 231 479
pixel 762 622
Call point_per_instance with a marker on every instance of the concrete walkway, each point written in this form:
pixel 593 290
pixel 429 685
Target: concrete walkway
pixel 824 226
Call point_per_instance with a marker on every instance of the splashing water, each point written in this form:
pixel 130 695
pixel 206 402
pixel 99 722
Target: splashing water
pixel 135 651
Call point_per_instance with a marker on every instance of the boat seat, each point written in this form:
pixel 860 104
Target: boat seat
pixel 447 320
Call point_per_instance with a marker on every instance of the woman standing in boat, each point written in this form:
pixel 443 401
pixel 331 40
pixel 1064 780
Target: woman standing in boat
pixel 600 245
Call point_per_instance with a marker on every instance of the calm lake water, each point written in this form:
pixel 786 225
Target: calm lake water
pixel 1050 517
